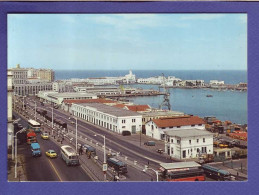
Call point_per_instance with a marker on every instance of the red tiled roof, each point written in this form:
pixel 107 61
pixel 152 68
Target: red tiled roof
pixel 178 121
pixel 137 108
pixel 119 105
pixel 103 101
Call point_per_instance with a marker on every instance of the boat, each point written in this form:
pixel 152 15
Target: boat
pixel 209 95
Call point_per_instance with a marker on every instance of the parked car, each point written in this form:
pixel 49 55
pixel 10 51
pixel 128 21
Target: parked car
pixel 126 133
pixel 150 143
pixel 51 154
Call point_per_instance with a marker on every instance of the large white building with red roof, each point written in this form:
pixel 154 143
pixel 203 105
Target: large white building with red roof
pixel 156 128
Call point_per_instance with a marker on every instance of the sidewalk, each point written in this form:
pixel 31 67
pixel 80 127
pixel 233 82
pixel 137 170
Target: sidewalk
pixel 21 176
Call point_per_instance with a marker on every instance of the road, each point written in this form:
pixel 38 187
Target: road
pixel 115 142
pixel 45 169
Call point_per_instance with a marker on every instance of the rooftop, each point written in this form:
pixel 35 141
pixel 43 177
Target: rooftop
pixel 163 113
pixel 138 108
pixel 71 94
pixel 178 121
pixel 111 110
pixel 188 133
pixel 179 165
pixel 103 101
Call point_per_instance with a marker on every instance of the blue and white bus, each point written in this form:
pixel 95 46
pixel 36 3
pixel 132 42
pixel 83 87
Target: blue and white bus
pixel 69 155
pixel 34 125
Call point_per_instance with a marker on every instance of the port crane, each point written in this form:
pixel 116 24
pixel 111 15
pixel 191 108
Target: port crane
pixel 166 101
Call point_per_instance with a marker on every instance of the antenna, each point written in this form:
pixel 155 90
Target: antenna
pixel 166 101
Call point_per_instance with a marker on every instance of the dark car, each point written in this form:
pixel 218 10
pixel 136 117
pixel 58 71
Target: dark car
pixel 126 133
pixel 150 143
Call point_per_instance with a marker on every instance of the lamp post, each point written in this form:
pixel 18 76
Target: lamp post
pixel 52 117
pixel 76 135
pixel 104 157
pixel 35 111
pixel 15 168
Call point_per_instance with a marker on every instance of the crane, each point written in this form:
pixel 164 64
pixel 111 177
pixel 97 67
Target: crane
pixel 166 101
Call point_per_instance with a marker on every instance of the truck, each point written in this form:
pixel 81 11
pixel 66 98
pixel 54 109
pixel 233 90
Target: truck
pixel 239 153
pixel 35 149
pixel 31 136
pixel 205 158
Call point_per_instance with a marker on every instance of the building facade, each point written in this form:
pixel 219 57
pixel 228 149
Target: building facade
pixel 57 98
pixel 156 128
pixel 109 117
pixel 31 88
pixel 10 127
pixel 188 143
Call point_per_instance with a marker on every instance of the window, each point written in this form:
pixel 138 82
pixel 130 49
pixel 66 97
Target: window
pixel 197 140
pixel 168 139
pixel 199 124
pixel 133 120
pixel 192 125
pixel 190 141
pixel 203 140
pixel 163 127
pixel 178 141
pixel 172 140
pixel 172 150
pixel 178 126
pixel 123 127
pixel 152 127
pixel 123 121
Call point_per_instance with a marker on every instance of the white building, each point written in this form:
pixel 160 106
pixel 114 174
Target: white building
pixel 98 90
pixel 112 118
pixel 62 86
pixel 58 98
pixel 216 82
pixel 156 128
pixel 188 143
pixel 130 78
pixel 20 75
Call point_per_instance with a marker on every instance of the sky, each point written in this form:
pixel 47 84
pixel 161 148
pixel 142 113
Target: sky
pixel 128 41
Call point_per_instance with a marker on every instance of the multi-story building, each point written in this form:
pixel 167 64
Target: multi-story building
pixel 20 75
pixel 29 81
pixel 45 74
pixel 63 86
pixel 109 117
pixel 58 98
pixel 188 143
pixel 156 128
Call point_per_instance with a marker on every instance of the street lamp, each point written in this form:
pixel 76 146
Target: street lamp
pixel 16 121
pixel 104 157
pixel 15 168
pixel 147 168
pixel 35 111
pixel 76 135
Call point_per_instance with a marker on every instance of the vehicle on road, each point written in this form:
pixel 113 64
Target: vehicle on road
pixel 111 155
pixel 239 153
pixel 51 154
pixel 150 143
pixel 45 135
pixel 205 158
pixel 69 155
pixel 35 149
pixel 31 137
pixel 182 171
pixel 126 133
pixel 117 165
pixel 32 124
pixel 160 151
pixel 87 148
pixel 216 173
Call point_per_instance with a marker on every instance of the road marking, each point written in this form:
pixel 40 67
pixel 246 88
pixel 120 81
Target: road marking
pixel 55 170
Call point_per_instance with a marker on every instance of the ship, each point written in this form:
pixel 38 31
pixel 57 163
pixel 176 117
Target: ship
pixel 209 95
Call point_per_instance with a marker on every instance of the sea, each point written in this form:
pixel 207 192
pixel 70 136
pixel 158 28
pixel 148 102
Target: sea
pixel 225 105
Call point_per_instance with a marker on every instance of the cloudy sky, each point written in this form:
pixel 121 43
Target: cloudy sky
pixel 128 41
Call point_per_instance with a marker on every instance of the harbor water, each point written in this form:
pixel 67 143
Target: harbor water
pixel 225 105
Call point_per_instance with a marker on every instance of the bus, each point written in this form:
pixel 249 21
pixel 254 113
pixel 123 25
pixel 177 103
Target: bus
pixel 182 171
pixel 118 166
pixel 32 124
pixel 216 173
pixel 69 155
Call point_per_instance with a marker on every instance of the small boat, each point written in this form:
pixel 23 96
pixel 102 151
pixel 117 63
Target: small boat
pixel 209 95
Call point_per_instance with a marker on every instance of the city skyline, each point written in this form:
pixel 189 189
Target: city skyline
pixel 128 41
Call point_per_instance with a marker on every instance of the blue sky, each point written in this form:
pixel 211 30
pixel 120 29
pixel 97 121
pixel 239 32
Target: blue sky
pixel 128 41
